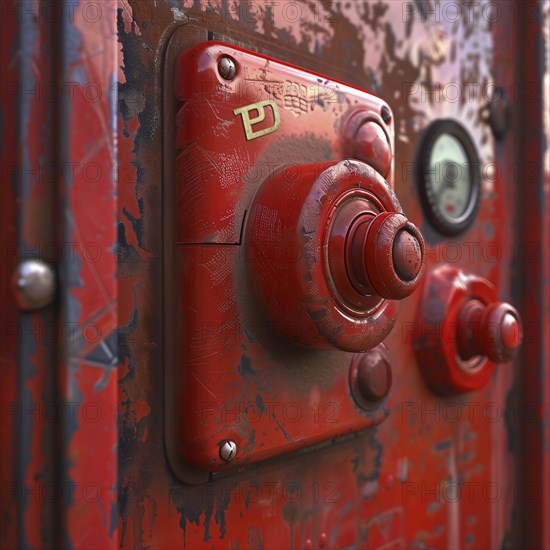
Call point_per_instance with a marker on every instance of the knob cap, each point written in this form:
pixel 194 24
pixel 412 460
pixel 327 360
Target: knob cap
pixel 385 255
pixel 494 331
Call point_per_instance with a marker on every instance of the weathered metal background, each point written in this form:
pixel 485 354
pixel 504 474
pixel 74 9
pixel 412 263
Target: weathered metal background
pixel 59 389
pixel 95 474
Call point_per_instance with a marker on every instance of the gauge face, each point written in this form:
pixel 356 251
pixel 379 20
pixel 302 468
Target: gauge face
pixel 449 176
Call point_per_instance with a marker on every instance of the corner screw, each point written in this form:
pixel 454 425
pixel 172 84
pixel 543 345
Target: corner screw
pixel 228 450
pixel 227 68
pixel 385 113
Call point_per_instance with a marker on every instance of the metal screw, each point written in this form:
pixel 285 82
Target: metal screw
pixel 34 285
pixel 385 113
pixel 227 68
pixel 228 451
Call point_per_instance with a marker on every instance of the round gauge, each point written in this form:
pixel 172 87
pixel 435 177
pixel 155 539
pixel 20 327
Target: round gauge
pixel 449 176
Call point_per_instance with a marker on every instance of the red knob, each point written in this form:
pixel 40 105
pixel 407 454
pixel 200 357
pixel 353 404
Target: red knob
pixel 494 331
pixel 374 375
pixel 385 255
pixel 371 145
pixel 351 248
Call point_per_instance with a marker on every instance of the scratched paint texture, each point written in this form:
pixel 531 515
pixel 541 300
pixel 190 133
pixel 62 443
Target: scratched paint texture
pixel 59 131
pixel 26 391
pixel 388 487
pixel 87 368
pixel 391 486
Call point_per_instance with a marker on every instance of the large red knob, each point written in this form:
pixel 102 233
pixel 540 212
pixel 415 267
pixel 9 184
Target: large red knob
pixel 329 251
pixel 493 331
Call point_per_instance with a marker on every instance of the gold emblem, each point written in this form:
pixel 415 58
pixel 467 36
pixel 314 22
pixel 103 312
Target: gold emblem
pixel 249 121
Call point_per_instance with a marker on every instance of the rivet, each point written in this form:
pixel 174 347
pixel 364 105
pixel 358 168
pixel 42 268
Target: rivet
pixel 228 450
pixel 34 285
pixel 227 68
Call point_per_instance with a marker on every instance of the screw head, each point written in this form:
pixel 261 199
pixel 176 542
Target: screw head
pixel 227 68
pixel 228 450
pixel 34 285
pixel 385 113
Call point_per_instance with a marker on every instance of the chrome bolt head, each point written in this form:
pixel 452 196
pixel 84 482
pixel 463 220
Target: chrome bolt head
pixel 227 68
pixel 228 450
pixel 34 285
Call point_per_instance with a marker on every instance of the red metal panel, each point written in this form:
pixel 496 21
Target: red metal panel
pixel 390 483
pixel 258 259
pixel 88 360
pixel 463 471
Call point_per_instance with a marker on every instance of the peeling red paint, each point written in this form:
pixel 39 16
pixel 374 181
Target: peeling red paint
pixel 374 490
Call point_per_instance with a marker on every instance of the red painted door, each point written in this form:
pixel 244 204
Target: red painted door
pixel 238 353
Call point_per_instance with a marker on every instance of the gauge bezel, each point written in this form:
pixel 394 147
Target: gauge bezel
pixel 427 196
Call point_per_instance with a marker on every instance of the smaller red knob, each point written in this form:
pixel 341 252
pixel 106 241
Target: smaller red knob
pixel 370 377
pixel 494 331
pixel 385 254
pixel 374 375
pixel 371 145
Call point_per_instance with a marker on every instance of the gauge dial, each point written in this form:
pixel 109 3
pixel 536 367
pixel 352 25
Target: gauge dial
pixel 449 176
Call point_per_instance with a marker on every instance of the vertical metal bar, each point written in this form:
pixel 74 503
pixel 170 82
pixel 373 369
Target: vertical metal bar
pixel 88 358
pixel 35 237
pixel 10 475
pixel 533 20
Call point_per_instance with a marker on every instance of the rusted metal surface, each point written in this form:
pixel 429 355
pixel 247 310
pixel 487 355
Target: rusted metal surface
pixel 26 153
pixel 87 364
pixel 58 174
pixel 467 471
pixel 383 478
